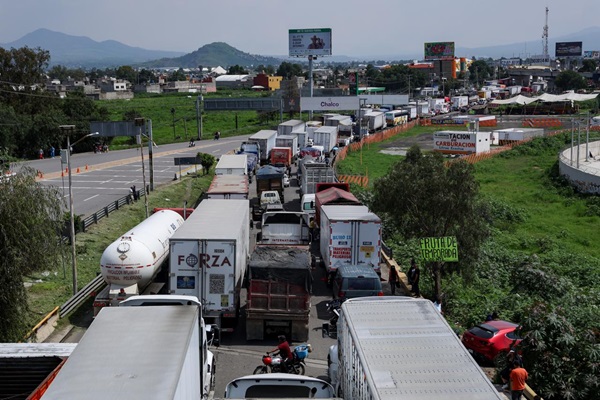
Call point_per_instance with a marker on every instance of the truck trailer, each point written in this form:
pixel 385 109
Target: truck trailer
pixel 279 292
pixel 209 257
pixel 232 164
pixel 402 348
pixel 290 141
pixel 130 263
pixel 312 173
pixel 229 187
pixel 349 235
pixel 266 141
pixel 326 136
pixel 150 352
pixel 291 126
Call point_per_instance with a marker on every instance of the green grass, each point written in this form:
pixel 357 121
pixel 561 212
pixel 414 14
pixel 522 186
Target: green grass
pixel 158 109
pixel 53 288
pixel 522 181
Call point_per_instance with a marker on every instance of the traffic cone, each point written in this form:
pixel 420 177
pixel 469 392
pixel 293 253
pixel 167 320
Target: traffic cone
pixel 86 167
pixel 66 170
pixel 77 169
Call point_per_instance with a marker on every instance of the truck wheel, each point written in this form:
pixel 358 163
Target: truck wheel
pixel 261 369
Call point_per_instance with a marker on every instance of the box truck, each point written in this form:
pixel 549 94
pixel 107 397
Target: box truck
pixel 232 164
pixel 229 187
pixel 291 126
pixel 290 141
pixel 349 235
pixel 266 141
pixel 402 347
pixel 209 258
pixel 325 136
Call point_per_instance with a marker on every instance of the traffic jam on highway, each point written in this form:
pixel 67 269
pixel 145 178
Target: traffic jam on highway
pixel 277 252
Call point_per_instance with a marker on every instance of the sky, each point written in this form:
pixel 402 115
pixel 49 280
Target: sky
pixel 359 27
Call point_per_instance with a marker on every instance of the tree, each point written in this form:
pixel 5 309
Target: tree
pixel 268 69
pixel 30 223
pixel 127 73
pixel 479 71
pixel 422 197
pixel 569 80
pixel 178 75
pixel 237 70
pixel 288 70
pixel 207 161
pixel 588 66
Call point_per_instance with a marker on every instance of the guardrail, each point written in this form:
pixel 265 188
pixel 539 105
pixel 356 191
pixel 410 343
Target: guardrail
pixel 96 284
pixel 110 207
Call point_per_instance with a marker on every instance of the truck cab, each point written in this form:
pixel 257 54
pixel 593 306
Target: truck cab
pixel 269 197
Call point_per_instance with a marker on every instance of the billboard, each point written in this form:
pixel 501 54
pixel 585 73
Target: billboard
pixel 439 51
pixel 313 42
pixel 592 54
pixel 439 249
pixel 460 142
pixel 568 49
pixel 341 103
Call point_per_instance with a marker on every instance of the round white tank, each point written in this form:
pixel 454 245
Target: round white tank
pixel 136 257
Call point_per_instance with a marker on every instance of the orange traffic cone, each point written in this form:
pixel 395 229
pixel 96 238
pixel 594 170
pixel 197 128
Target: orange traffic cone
pixel 77 169
pixel 86 167
pixel 66 170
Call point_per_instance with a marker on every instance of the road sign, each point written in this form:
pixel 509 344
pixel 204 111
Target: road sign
pixel 187 160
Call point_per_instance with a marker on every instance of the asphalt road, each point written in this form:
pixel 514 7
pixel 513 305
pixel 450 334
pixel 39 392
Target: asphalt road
pixel 100 179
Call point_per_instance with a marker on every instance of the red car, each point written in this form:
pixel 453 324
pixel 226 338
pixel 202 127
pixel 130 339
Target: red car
pixel 491 338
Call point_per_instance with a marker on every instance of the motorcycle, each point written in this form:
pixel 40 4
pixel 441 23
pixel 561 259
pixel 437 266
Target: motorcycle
pixel 330 329
pixel 274 363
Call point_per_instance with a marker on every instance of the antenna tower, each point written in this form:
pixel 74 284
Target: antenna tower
pixel 545 40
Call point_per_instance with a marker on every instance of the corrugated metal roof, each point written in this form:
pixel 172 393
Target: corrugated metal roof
pixel 215 219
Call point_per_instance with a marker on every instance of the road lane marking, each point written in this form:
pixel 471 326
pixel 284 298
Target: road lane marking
pixel 89 198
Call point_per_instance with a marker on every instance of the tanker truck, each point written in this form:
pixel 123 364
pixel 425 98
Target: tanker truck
pixel 130 263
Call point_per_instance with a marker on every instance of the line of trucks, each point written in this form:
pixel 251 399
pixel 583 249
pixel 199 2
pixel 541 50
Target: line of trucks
pixel 210 261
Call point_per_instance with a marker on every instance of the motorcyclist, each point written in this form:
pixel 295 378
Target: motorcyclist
pixel 284 351
pixel 192 144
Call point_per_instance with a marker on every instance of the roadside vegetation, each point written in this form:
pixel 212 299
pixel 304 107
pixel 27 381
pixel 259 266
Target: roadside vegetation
pixel 540 266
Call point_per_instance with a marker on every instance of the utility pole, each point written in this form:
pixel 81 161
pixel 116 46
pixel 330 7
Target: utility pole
pixel 199 116
pixel 173 112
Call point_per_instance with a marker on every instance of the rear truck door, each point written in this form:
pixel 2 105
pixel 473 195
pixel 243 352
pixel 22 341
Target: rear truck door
pixel 367 243
pixel 217 264
pixel 184 278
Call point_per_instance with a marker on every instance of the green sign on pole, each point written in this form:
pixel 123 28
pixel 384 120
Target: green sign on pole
pixel 439 249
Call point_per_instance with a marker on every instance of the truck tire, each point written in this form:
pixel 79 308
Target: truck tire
pixel 261 369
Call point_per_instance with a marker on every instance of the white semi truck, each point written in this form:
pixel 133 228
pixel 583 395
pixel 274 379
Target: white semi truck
pixel 153 352
pixel 130 264
pixel 349 235
pixel 209 258
pixel 402 348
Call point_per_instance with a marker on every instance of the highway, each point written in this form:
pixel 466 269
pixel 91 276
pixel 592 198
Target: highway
pixel 101 178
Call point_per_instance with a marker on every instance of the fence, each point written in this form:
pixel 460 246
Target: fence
pixel 110 207
pixel 542 123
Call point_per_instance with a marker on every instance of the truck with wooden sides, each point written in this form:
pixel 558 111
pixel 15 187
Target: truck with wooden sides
pixel 229 187
pixel 312 173
pixel 266 142
pixel 269 177
pixel 402 348
pixel 349 235
pixel 279 292
pixel 209 257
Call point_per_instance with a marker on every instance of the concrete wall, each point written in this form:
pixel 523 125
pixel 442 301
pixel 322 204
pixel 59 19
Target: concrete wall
pixel 586 178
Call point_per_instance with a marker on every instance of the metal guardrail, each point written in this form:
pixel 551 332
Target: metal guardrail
pixel 112 206
pixel 96 284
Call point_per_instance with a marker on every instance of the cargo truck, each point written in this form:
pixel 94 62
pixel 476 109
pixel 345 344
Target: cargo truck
pixel 232 164
pixel 281 157
pixel 326 136
pixel 290 141
pixel 152 352
pixel 266 142
pixel 229 187
pixel 313 173
pixel 349 235
pixel 250 147
pixel 396 348
pixel 209 257
pixel 333 196
pixel 291 126
pixel 284 228
pixel 130 264
pixel 269 177
pixel 279 292
pixel 375 120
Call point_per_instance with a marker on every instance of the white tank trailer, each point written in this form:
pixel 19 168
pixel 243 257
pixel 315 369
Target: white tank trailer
pixel 130 263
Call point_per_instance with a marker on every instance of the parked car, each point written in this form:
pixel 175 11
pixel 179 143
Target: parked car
pixel 491 338
pixel 356 281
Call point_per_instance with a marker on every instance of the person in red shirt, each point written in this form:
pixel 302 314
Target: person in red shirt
pixel 518 376
pixel 284 351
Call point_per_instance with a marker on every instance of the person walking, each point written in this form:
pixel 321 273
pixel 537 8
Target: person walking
pixel 415 284
pixel 518 376
pixel 41 153
pixel 52 151
pixel 393 278
pixel 411 271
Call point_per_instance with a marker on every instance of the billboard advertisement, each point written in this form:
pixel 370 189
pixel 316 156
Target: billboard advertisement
pixel 439 51
pixel 341 103
pixel 451 142
pixel 592 54
pixel 569 49
pixel 310 42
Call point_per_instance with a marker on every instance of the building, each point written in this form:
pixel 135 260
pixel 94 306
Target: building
pixel 268 82
pixel 233 81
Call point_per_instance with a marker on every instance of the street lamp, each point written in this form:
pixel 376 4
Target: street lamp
pixel 68 130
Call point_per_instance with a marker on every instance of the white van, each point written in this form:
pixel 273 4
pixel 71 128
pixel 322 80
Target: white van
pixel 307 204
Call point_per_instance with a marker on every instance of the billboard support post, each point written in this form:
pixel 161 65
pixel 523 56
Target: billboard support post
pixel 310 83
